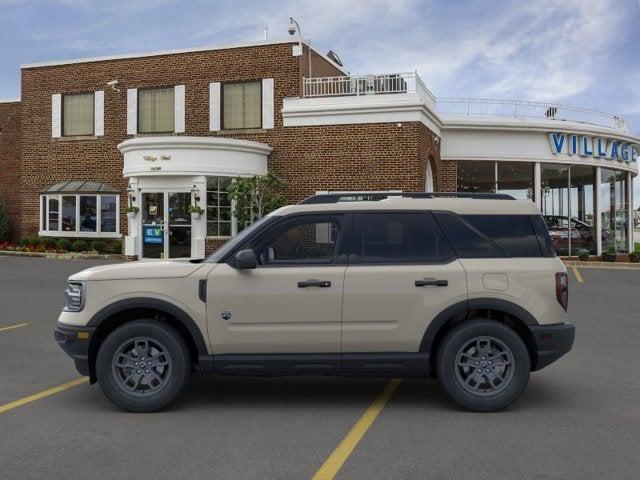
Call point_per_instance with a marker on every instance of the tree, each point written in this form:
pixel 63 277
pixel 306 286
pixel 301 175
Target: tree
pixel 254 197
pixel 4 222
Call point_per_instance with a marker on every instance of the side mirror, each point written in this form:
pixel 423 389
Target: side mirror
pixel 245 260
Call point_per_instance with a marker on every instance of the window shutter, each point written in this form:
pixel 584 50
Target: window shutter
pixel 267 103
pixel 179 109
pixel 214 106
pixel 98 111
pixel 132 111
pixel 56 115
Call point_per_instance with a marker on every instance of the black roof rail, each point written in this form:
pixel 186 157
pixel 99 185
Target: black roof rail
pixel 373 196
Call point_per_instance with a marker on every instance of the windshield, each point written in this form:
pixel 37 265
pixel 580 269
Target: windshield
pixel 237 240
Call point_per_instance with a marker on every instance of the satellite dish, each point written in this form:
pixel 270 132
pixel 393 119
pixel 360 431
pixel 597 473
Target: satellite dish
pixel 334 56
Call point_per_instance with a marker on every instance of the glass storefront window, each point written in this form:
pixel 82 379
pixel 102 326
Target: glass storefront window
pixel 554 180
pixel 614 210
pixel 582 205
pixel 516 179
pixel 476 176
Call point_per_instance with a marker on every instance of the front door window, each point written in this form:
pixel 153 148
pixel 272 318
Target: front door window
pixel 166 225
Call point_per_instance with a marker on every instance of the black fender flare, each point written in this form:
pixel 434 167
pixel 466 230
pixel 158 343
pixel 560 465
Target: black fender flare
pixel 464 307
pixel 156 304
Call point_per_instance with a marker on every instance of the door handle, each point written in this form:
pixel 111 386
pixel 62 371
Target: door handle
pixel 431 282
pixel 314 283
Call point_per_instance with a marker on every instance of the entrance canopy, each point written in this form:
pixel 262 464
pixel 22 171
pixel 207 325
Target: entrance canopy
pixel 81 186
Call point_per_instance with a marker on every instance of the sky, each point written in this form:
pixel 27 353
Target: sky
pixel 577 52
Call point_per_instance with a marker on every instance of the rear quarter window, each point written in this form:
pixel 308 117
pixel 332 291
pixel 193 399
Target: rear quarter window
pixel 514 234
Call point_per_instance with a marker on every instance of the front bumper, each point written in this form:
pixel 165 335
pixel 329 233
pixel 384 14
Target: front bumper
pixel 552 342
pixel 75 342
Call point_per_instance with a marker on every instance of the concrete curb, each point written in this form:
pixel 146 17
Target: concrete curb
pixel 60 256
pixel 614 265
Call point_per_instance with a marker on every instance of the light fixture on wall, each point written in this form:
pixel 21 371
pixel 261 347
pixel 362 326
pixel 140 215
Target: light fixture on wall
pixel 131 192
pixel 196 193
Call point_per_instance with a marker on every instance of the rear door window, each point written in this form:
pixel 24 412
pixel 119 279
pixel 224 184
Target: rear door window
pixel 398 238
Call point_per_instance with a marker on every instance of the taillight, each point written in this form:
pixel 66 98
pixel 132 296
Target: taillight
pixel 562 289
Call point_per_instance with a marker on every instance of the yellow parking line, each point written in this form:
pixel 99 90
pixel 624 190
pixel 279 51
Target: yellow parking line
pixel 2 329
pixel 45 393
pixel 577 274
pixel 334 463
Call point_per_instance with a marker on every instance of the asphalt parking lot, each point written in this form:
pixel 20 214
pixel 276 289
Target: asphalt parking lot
pixel 578 419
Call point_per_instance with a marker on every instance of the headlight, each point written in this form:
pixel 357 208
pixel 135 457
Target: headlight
pixel 74 294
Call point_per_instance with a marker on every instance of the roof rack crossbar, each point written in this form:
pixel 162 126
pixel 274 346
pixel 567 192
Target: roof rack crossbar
pixel 373 196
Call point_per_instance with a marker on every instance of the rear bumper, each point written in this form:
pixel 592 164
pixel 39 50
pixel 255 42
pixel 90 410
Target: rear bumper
pixel 75 343
pixel 552 342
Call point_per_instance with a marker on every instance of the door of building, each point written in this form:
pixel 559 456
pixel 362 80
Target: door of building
pixel 166 225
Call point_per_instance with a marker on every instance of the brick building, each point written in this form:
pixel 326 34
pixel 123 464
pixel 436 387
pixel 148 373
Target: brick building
pixel 161 131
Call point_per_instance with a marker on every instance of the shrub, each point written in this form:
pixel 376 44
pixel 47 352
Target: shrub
pixel 4 222
pixel 116 246
pixel 98 246
pixel 24 242
pixel 80 246
pixel 65 244
pixel 33 242
pixel 48 242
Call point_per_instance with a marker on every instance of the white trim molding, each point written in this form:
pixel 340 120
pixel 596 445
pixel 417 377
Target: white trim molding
pixel 56 115
pixel 184 155
pixel 98 111
pixel 267 103
pixel 132 111
pixel 179 108
pixel 176 52
pixel 214 107
pixel 346 110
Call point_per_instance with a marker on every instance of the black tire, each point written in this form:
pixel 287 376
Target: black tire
pixel 468 349
pixel 132 389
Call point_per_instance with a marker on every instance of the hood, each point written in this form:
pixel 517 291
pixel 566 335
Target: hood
pixel 138 270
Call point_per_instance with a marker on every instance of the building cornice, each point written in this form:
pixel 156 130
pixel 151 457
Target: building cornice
pixel 177 51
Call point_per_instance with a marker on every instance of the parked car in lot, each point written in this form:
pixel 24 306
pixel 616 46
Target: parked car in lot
pixel 467 288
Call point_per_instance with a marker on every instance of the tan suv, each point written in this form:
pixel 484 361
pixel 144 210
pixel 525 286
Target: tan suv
pixel 463 287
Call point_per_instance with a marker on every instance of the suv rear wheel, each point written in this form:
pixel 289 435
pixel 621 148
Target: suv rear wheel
pixel 483 365
pixel 143 365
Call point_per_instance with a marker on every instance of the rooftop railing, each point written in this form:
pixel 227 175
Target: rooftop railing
pixel 375 84
pixel 389 83
pixel 526 109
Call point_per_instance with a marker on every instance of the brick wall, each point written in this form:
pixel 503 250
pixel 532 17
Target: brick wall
pixel 10 162
pixel 379 156
pixel 46 161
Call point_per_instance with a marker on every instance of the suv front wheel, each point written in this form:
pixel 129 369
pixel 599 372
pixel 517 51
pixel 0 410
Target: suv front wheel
pixel 483 365
pixel 143 365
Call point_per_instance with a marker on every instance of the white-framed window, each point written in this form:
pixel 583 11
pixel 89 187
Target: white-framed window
pixel 80 215
pixel 156 110
pixel 220 219
pixel 77 114
pixel 242 105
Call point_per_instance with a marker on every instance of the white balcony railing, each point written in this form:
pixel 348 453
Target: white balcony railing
pixel 366 85
pixel 388 83
pixel 527 109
